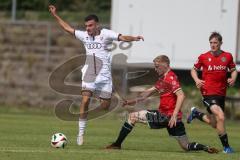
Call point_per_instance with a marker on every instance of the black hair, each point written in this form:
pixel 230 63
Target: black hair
pixel 91 17
pixel 216 35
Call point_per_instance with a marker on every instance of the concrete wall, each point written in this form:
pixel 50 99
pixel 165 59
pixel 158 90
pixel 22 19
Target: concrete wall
pixel 29 52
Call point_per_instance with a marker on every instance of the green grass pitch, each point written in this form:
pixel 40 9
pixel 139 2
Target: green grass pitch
pixel 26 135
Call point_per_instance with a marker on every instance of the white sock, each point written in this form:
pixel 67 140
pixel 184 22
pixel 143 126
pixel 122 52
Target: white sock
pixel 82 125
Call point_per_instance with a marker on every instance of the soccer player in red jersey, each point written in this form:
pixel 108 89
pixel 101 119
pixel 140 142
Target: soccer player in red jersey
pixel 168 115
pixel 215 64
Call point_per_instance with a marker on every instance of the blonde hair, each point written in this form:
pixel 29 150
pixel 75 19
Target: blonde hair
pixel 162 59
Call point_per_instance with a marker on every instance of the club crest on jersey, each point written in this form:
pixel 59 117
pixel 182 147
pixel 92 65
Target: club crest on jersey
pixel 223 59
pixel 209 59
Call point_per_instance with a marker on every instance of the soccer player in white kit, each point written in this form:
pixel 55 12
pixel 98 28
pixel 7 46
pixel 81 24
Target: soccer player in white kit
pixel 96 73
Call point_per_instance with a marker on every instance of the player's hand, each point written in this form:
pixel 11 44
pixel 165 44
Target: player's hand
pixel 138 38
pixel 128 102
pixel 124 102
pixel 173 121
pixel 52 9
pixel 230 82
pixel 199 83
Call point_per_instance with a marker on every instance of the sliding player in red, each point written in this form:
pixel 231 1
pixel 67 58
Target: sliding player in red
pixel 168 115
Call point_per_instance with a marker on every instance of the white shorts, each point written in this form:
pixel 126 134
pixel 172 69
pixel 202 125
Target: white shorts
pixel 101 90
pixel 100 85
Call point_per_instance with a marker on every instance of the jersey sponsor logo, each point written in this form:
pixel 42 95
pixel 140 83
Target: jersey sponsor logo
pixel 216 68
pixel 93 45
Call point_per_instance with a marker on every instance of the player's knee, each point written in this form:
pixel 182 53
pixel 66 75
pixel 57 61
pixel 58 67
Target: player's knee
pixel 132 118
pixel 220 117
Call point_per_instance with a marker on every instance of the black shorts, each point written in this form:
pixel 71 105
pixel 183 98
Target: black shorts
pixel 156 120
pixel 208 101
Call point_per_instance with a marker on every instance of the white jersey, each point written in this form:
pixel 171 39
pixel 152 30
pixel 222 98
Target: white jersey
pixel 98 47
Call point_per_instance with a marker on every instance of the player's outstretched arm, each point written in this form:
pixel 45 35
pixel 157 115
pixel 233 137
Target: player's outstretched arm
pixel 61 22
pixel 130 38
pixel 143 96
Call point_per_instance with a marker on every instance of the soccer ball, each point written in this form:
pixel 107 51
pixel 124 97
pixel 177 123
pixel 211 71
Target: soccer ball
pixel 58 140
